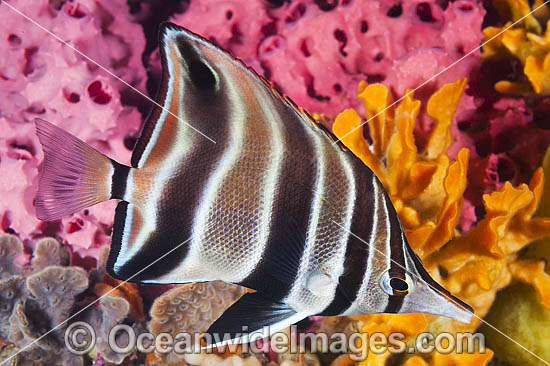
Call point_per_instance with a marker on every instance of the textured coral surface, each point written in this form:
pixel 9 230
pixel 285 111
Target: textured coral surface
pixel 41 77
pixel 427 189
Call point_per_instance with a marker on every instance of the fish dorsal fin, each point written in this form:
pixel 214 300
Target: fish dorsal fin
pixel 151 133
pixel 187 77
pixel 180 101
pixel 253 312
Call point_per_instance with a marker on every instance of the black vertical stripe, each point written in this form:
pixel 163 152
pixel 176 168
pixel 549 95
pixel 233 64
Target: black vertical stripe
pixel 291 205
pixel 152 120
pixel 119 180
pixel 118 230
pixel 181 197
pixel 397 256
pixel 182 193
pixel 357 252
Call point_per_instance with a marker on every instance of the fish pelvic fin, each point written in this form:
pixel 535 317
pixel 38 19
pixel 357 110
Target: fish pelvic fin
pixel 74 174
pixel 251 318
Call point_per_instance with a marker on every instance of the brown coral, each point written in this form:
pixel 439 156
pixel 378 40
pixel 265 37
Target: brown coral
pixel 12 291
pixel 40 297
pixel 118 301
pixel 52 291
pixel 128 291
pixel 51 297
pixel 192 307
pixel 47 253
pixel 10 246
pixel 112 310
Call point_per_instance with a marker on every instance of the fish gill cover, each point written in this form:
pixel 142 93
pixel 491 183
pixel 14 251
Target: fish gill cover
pixel 459 158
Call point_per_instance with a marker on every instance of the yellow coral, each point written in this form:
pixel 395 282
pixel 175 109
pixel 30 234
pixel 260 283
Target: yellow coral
pixel 427 188
pixel 526 42
pixel 413 179
pixel 523 312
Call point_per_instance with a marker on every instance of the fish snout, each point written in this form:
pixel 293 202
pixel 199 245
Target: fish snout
pixel 437 301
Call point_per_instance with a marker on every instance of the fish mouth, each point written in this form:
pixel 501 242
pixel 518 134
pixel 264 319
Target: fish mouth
pixel 452 307
pixel 437 301
pixel 448 305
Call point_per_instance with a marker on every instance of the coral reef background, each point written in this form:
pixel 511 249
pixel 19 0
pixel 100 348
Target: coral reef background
pixel 460 157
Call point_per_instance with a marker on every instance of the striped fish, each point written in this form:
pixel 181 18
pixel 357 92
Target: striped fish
pixel 272 203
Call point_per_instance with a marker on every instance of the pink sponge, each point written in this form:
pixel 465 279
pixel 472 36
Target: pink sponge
pixel 41 77
pixel 317 51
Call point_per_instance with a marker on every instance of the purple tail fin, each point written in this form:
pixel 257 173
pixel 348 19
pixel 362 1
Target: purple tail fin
pixel 74 175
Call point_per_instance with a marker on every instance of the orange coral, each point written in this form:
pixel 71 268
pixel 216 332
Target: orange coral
pixel 485 259
pixel 452 359
pixel 414 180
pixel 526 42
pixel 426 189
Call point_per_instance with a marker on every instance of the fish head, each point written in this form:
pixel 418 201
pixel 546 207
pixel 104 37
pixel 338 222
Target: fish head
pixel 395 280
pixel 413 290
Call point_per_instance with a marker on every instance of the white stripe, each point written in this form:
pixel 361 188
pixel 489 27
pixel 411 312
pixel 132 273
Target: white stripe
pixel 267 330
pixel 274 171
pixel 167 102
pixel 341 247
pixel 388 231
pixel 227 162
pixel 172 162
pixel 338 257
pixel 122 257
pixel 310 272
pixel 194 267
pixel 256 245
pixel 306 265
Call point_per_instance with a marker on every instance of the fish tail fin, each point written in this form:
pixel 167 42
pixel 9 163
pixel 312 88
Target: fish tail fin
pixel 74 175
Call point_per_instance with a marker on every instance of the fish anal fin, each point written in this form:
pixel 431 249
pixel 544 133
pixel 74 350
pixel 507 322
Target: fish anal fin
pixel 245 320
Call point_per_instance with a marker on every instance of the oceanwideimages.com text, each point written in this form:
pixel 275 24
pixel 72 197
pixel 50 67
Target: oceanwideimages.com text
pixel 80 338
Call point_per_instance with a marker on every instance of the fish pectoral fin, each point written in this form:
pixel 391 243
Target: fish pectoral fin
pixel 320 283
pixel 245 320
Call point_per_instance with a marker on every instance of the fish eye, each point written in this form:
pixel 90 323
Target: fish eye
pixel 399 285
pixel 396 285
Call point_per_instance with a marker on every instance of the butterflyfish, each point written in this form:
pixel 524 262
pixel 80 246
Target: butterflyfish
pixel 270 201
